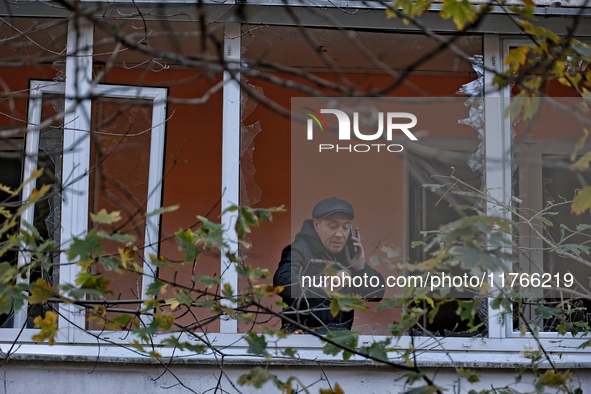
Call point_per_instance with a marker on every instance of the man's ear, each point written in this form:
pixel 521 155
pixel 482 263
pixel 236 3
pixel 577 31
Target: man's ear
pixel 316 224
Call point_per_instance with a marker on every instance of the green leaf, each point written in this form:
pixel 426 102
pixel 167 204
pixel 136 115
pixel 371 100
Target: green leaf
pixel 553 379
pixel 183 297
pixel 205 303
pixel 145 332
pixel 377 350
pixel 246 219
pixel 209 281
pixel 106 218
pixel 281 304
pixel 252 273
pixel 469 375
pixel 163 321
pixel 344 338
pixel 162 210
pixel 88 281
pixel 545 221
pixel 290 352
pixel 573 248
pixel 583 50
pixel 159 261
pixel 117 236
pixel 461 11
pixel 412 377
pixel 7 190
pixel 257 345
pixel 387 303
pixel 257 377
pixel 585 344
pixel 251 217
pixel 187 243
pixel 346 304
pixel 414 244
pixel 208 224
pixel 196 348
pixel 156 288
pixel 86 248
pixel 123 320
pixel 112 263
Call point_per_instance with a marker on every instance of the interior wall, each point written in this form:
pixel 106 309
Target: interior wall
pixel 272 160
pixel 192 169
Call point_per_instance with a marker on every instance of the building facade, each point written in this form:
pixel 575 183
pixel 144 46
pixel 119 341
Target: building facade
pixel 135 106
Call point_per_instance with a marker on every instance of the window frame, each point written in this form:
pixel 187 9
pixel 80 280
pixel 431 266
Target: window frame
pixel 507 43
pixel 158 96
pixel 533 151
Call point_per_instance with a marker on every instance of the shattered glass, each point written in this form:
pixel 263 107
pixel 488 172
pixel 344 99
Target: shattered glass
pixel 250 192
pixel 475 90
pixel 47 218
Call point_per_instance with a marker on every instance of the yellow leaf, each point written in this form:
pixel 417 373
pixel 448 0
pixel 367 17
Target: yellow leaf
pixel 517 57
pixel 582 163
pixel 173 303
pixel 127 255
pixel 33 176
pixel 6 190
pixel 5 212
pixel 579 145
pixel 582 201
pixel 35 196
pixel 40 292
pixel 48 325
pixel 107 218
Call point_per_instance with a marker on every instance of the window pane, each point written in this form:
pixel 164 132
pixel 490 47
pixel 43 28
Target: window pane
pixel 11 154
pixel 552 238
pixel 120 160
pixel 193 148
pixel 32 49
pixel 270 160
pixel 48 209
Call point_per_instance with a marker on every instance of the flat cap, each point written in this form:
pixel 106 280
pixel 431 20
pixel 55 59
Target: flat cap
pixel 331 206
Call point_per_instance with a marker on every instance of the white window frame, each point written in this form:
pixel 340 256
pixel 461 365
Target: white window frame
pixel 36 89
pixel 501 340
pixel 506 44
pixel 152 231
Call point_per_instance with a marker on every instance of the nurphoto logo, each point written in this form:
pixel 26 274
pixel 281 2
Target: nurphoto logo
pixel 394 121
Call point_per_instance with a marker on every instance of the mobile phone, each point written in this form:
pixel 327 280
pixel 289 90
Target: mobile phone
pixel 352 248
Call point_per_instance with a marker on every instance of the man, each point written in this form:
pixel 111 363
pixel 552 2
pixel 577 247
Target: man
pixel 323 241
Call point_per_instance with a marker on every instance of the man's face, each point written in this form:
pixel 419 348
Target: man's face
pixel 333 231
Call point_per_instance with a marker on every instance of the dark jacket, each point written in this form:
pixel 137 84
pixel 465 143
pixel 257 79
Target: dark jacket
pixel 297 261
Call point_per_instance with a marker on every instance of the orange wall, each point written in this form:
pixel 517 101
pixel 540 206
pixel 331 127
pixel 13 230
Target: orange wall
pixel 273 172
pixel 16 79
pixel 192 167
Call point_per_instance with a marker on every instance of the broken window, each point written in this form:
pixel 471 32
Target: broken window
pixel 279 52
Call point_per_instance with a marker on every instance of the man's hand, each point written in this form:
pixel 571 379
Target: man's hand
pixel 358 261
